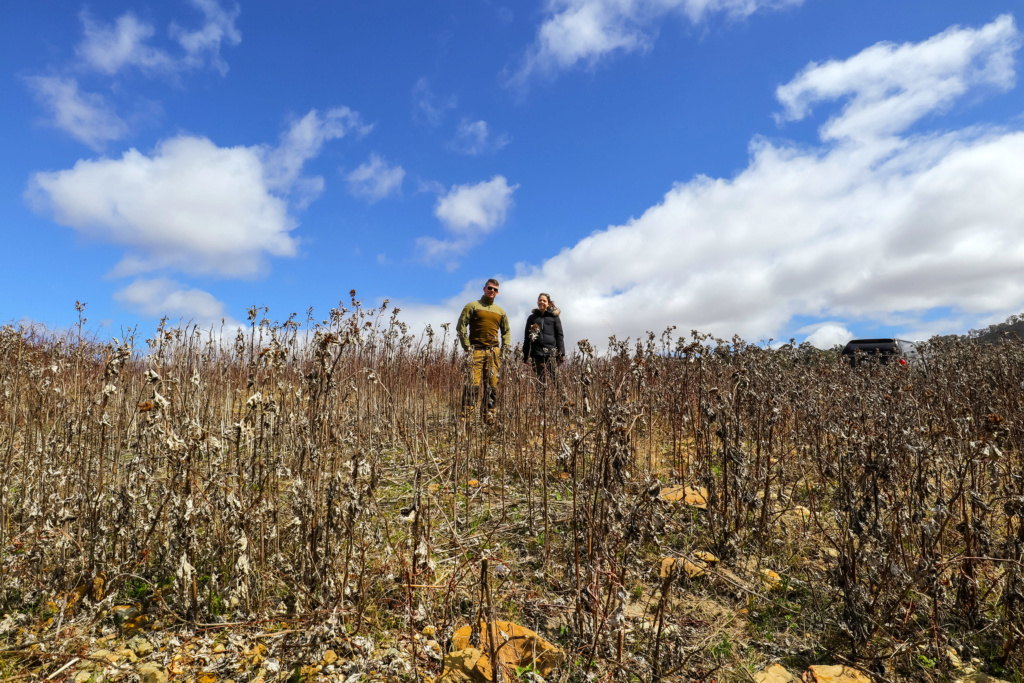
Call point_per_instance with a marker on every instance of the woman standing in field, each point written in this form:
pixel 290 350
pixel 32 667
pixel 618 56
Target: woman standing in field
pixel 542 342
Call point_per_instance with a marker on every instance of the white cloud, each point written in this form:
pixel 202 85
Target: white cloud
pixel 481 207
pixel 827 335
pixel 428 108
pixel 84 116
pixel 868 226
pixel 203 44
pixel 375 179
pixel 192 206
pixel 109 48
pixel 474 137
pixel 163 297
pixel 122 44
pixel 891 86
pixel 303 141
pixel 576 31
pixel 468 213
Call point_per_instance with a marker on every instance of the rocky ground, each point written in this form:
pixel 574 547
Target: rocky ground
pixel 704 614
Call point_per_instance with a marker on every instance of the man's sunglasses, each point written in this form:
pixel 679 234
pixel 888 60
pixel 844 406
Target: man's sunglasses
pixel 491 289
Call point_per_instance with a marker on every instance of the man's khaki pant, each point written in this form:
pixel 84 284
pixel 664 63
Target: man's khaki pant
pixel 484 362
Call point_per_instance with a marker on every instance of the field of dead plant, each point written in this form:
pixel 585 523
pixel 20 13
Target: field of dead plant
pixel 304 502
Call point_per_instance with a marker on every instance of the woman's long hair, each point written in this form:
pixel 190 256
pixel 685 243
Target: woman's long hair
pixel 551 303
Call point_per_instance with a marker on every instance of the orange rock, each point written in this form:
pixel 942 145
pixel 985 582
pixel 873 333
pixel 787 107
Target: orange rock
pixel 692 569
pixel 99 584
pixel 673 494
pixel 800 511
pixel 834 674
pixel 516 646
pixel 770 579
pixel 776 673
pixel 468 665
pixel 695 496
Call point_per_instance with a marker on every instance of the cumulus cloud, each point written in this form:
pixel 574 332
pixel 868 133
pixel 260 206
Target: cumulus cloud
pixel 429 108
pixel 828 335
pixel 891 86
pixel 876 224
pixel 86 117
pixel 125 42
pixel 481 207
pixel 474 137
pixel 468 213
pixel 163 297
pixel 585 31
pixel 191 205
pixel 375 179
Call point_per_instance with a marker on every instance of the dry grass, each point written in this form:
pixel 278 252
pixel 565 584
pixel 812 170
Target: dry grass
pixel 317 478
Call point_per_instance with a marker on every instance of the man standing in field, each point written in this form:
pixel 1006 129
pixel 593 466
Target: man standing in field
pixel 489 336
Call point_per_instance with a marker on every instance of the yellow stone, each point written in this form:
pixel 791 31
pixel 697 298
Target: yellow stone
pixel 776 673
pixel 705 556
pixel 834 674
pixel 690 495
pixel 692 569
pixel 516 646
pixel 330 657
pixel 771 579
pixel 468 665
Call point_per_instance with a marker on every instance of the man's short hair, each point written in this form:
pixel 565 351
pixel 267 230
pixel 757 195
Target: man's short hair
pixel 492 281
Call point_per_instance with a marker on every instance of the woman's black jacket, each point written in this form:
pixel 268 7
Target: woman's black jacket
pixel 543 335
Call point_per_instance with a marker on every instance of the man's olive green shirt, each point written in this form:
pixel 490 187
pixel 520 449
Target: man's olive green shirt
pixel 487 323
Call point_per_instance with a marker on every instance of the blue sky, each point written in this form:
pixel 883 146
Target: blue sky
pixel 773 168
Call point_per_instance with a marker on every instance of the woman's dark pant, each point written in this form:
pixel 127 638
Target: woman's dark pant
pixel 546 365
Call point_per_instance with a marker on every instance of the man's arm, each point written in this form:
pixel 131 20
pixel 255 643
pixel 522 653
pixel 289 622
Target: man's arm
pixel 506 333
pixel 460 328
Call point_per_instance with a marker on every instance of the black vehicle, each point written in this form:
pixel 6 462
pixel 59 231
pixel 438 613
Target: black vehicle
pixel 882 351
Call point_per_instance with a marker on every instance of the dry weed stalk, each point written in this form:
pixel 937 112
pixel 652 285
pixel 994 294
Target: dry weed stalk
pixel 214 477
